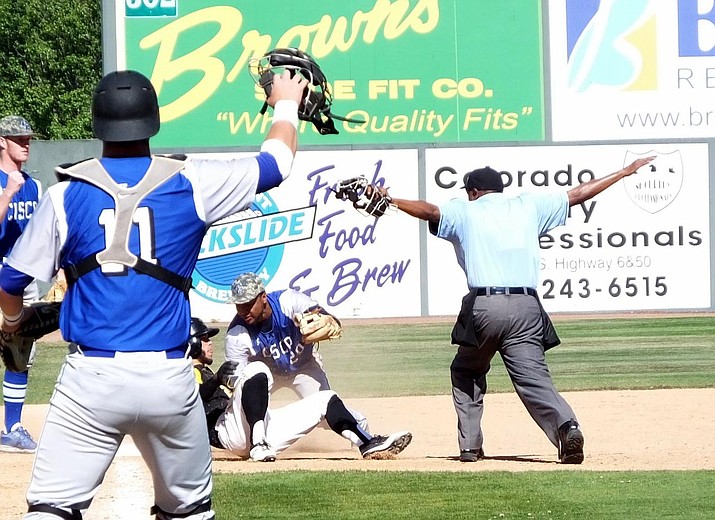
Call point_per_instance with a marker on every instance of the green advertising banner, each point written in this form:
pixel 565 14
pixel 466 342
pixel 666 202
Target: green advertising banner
pixel 416 71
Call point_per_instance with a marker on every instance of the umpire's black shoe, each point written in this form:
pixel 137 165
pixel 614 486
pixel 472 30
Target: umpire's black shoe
pixel 570 443
pixel 471 455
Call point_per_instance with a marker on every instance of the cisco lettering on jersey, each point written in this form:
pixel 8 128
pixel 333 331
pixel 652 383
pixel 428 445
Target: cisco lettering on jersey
pixel 21 209
pixel 284 355
pixel 281 343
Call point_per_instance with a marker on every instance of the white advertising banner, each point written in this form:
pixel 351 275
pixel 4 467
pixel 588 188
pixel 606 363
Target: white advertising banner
pixel 632 69
pixel 643 244
pixel 300 235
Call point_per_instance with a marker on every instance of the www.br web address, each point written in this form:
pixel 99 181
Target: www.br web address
pixel 692 117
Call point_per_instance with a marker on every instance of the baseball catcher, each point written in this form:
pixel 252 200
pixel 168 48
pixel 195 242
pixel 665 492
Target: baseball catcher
pixel 36 320
pixel 316 325
pixel 317 100
pixel 368 199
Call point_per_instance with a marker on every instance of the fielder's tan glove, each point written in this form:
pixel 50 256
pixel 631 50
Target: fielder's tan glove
pixel 58 289
pixel 316 326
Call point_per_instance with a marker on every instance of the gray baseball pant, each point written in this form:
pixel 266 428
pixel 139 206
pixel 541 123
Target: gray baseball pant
pixel 511 325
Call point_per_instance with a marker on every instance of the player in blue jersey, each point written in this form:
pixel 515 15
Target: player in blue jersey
pixel 18 200
pixel 235 403
pixel 126 229
pixel 263 337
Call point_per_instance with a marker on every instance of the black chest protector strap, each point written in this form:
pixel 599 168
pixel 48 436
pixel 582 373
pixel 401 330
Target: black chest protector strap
pixel 126 201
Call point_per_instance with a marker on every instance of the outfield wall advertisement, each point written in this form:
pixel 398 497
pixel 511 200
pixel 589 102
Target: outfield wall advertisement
pixel 642 244
pixel 302 236
pixel 552 93
pixel 632 69
pixel 413 71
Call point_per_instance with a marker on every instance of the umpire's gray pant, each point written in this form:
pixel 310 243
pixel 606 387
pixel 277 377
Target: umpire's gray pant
pixel 511 325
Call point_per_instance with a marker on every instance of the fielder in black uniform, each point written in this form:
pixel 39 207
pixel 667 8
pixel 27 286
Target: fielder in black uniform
pixel 212 386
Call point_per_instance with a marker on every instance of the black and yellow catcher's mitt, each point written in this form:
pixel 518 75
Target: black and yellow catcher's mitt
pixel 39 319
pixel 315 326
pixel 367 198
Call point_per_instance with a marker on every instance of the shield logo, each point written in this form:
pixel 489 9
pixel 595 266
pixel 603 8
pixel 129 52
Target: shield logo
pixel 656 184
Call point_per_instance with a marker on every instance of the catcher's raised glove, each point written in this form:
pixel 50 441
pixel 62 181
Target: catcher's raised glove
pixel 317 100
pixel 366 198
pixel 317 326
pixel 39 319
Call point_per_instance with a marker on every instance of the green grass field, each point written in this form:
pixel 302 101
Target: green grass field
pixel 487 495
pixel 399 360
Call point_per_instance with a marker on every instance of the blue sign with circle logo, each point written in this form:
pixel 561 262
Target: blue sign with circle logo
pixel 252 240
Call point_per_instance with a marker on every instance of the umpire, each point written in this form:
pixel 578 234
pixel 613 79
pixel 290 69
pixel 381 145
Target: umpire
pixel 496 239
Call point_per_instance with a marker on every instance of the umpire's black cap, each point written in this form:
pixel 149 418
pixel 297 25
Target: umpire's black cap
pixel 483 179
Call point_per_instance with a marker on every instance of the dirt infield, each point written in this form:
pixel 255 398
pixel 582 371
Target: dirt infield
pixel 624 430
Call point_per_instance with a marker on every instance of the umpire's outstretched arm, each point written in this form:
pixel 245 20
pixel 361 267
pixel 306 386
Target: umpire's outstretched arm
pixel 590 189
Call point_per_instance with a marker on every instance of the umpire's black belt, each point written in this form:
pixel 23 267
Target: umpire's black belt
pixel 172 353
pixel 490 291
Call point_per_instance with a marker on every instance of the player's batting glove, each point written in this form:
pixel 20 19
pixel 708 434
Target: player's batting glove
pixel 226 374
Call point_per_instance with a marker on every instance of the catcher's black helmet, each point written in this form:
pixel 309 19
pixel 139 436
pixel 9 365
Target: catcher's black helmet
pixel 125 107
pixel 196 332
pixel 297 60
pixel 317 100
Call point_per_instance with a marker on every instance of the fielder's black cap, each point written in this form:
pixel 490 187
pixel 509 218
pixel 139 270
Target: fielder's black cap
pixel 483 179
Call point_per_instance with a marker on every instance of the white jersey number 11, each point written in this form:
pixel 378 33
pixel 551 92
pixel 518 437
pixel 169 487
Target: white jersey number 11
pixel 143 219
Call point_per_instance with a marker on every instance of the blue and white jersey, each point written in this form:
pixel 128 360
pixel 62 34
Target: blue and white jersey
pixel 276 342
pixel 114 307
pixel 21 208
pixel 496 237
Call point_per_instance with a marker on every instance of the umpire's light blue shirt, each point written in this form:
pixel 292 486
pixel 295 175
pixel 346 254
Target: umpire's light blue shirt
pixel 496 237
